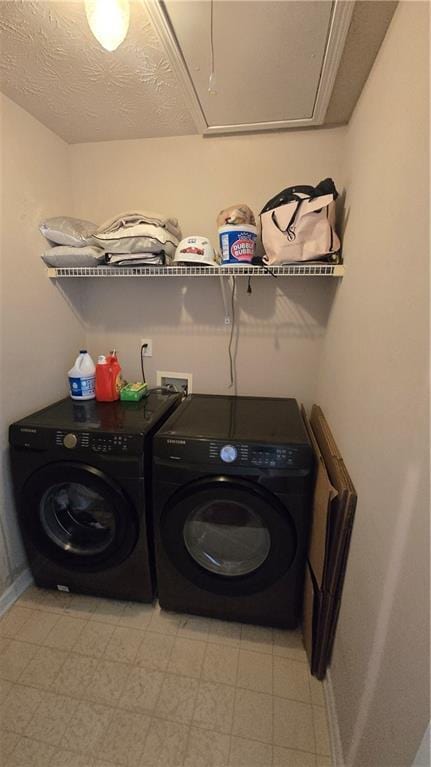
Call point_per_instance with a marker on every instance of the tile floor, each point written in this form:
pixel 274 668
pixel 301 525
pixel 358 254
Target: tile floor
pixel 88 682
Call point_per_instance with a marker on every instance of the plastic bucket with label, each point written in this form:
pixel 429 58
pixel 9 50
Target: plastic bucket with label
pixel 237 243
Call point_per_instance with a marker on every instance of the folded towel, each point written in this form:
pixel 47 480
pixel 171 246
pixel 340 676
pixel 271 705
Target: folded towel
pixel 131 218
pixel 142 238
pixel 64 230
pixel 65 255
pixel 137 259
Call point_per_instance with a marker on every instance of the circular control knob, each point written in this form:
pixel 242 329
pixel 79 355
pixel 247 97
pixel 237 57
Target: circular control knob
pixel 70 441
pixel 228 453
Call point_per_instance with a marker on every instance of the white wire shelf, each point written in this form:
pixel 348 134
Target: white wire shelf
pixel 309 269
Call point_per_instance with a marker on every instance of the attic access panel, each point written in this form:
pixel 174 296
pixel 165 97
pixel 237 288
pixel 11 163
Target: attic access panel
pixel 275 61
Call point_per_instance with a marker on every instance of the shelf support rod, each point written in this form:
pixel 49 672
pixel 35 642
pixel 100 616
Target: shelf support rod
pixel 223 287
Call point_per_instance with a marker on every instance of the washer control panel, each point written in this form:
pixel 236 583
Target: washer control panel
pixel 111 443
pixel 116 444
pixel 72 440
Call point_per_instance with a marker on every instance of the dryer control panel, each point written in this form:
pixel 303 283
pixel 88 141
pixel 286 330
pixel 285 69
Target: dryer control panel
pixel 268 456
pixel 232 454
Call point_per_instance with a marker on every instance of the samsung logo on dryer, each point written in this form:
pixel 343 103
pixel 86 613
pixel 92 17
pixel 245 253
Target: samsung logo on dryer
pixel 176 441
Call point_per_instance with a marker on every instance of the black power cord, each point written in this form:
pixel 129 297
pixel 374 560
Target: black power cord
pixel 144 346
pixel 231 365
pixel 168 388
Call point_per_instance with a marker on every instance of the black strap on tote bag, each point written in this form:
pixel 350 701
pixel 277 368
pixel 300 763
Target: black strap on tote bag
pixel 291 194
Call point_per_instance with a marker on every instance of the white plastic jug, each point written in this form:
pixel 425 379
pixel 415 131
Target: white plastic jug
pixel 82 377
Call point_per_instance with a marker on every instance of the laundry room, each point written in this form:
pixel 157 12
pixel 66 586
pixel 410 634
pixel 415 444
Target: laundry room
pixel 214 506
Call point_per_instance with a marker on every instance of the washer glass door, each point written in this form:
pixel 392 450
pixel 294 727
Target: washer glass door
pixel 227 537
pixel 77 518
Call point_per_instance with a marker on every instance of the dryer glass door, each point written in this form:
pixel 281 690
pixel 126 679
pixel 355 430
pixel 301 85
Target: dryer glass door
pixel 227 537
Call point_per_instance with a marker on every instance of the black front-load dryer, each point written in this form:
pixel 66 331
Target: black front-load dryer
pixel 232 487
pixel 82 482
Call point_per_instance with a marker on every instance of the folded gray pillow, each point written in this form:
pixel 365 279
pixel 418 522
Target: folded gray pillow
pixel 65 255
pixel 64 230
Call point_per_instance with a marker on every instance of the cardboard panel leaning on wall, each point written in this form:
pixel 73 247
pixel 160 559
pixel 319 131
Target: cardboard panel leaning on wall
pixel 40 333
pixel 279 326
pixel 374 388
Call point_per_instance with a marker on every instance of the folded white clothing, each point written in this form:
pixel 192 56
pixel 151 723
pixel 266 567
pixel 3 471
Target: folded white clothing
pixel 131 218
pixel 64 230
pixel 139 263
pixel 142 238
pixel 112 258
pixel 66 255
pixel 138 259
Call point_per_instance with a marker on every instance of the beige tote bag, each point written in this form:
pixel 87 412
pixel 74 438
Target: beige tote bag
pixel 299 224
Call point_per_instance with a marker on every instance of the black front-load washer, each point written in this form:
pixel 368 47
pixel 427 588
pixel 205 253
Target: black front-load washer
pixel 82 481
pixel 232 491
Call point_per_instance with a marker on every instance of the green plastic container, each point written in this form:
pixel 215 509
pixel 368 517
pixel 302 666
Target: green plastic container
pixel 133 392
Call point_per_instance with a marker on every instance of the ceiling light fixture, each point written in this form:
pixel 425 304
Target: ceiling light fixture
pixel 108 21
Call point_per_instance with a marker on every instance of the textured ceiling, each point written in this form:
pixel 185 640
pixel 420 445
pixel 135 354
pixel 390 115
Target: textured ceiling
pixel 54 68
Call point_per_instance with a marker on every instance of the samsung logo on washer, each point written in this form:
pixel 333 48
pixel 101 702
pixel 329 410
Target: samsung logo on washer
pixel 176 441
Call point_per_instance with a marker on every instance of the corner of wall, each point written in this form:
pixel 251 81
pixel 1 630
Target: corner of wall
pixel 42 330
pixel 374 388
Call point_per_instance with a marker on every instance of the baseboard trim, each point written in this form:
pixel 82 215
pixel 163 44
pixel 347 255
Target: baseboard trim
pixel 334 730
pixel 20 584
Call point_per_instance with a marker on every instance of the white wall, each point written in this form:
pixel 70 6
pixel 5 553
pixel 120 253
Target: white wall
pixel 40 332
pixel 281 324
pixel 373 387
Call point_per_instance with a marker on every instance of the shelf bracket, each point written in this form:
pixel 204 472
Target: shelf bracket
pixel 224 283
